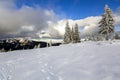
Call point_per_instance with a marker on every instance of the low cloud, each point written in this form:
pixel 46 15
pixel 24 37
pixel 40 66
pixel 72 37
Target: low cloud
pixel 28 20
pixel 117 17
pixel 87 26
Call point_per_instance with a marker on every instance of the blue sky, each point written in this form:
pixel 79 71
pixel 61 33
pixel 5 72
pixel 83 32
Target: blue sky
pixel 74 9
pixel 29 18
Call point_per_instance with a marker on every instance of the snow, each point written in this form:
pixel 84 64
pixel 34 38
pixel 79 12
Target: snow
pixel 83 61
pixel 48 40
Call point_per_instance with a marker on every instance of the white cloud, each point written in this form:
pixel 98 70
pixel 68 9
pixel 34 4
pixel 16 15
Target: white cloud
pixel 28 20
pixel 28 28
pixel 89 25
pixel 117 17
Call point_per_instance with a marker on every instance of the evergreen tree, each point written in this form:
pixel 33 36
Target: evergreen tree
pixel 76 34
pixel 107 23
pixel 72 35
pixel 67 35
pixel 116 36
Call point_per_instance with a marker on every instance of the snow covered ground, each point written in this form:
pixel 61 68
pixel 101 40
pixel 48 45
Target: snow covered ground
pixel 83 61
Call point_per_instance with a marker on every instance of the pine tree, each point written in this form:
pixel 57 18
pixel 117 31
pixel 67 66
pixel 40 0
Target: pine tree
pixel 72 35
pixel 107 23
pixel 116 36
pixel 67 35
pixel 76 34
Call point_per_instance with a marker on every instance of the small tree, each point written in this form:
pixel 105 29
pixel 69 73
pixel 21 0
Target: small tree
pixel 67 35
pixel 72 35
pixel 107 23
pixel 99 37
pixel 76 34
pixel 116 36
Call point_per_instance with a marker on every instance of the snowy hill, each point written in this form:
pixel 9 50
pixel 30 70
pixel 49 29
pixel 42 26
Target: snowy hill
pixel 83 61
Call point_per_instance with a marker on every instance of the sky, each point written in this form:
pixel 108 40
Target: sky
pixel 32 18
pixel 74 9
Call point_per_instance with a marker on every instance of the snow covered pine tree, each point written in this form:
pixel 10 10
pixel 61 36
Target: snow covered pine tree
pixel 106 24
pixel 67 35
pixel 76 34
pixel 72 35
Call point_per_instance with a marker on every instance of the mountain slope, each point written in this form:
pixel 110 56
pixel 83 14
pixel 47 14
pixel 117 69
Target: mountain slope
pixel 83 61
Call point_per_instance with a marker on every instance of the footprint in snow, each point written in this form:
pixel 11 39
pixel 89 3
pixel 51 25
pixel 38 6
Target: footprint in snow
pixel 9 77
pixel 2 76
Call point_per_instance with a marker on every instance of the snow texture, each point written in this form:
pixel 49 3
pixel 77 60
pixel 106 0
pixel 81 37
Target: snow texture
pixel 83 61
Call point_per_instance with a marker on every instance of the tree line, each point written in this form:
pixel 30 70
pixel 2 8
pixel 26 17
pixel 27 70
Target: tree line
pixel 71 35
pixel 105 25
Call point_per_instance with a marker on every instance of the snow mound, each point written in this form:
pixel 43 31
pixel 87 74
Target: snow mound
pixel 83 61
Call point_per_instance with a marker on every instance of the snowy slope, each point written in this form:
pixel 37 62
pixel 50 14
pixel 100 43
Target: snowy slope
pixel 83 61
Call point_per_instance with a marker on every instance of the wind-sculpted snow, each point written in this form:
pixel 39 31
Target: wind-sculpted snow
pixel 83 61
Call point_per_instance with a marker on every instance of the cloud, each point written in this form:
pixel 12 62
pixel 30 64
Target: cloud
pixel 87 25
pixel 28 20
pixel 117 17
